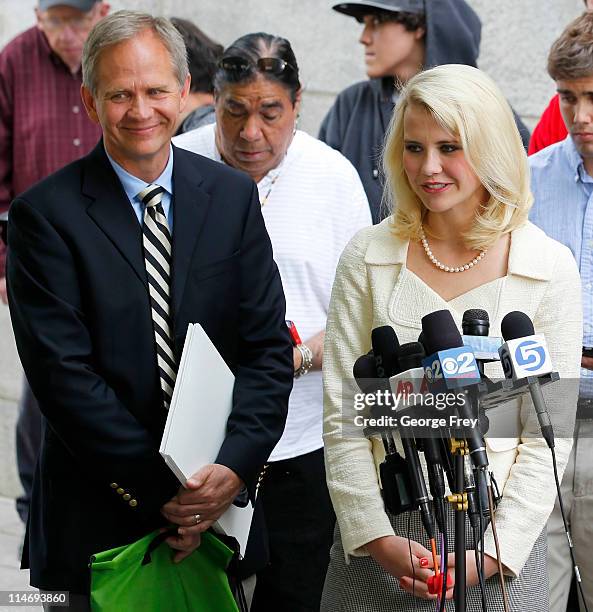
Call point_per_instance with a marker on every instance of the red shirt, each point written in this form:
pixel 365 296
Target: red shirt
pixel 43 123
pixel 550 128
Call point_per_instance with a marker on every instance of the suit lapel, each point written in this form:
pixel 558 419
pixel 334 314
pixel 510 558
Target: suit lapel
pixel 190 209
pixel 112 211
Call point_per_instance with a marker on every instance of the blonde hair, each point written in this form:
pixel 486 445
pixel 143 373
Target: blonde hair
pixel 468 104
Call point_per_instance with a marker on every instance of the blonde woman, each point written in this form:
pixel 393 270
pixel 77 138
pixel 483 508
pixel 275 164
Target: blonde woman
pixel 458 238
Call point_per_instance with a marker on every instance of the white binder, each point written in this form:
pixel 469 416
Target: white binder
pixel 197 420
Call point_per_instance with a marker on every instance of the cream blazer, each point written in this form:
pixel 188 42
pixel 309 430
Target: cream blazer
pixel 373 288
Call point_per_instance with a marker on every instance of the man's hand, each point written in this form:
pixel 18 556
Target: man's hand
pixel 207 495
pixel 315 343
pixel 587 363
pixel 4 293
pixel 184 544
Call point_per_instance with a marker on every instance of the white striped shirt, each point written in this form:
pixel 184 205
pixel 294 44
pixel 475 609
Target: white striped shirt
pixel 315 206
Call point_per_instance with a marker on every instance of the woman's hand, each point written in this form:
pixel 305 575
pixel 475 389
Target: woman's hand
pixel 490 567
pixel 392 553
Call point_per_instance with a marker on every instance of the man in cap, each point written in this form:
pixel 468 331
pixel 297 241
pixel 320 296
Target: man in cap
pixel 43 127
pixel 400 37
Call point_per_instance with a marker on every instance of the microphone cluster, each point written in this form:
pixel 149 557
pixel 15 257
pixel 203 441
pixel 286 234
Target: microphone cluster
pixel 443 361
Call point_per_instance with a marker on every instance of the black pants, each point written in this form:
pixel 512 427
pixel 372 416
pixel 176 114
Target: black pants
pixel 28 443
pixel 300 522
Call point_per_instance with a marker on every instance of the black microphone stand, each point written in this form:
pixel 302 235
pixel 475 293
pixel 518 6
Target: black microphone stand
pixel 458 501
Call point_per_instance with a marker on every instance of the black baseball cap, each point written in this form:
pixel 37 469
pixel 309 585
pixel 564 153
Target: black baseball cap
pixel 357 9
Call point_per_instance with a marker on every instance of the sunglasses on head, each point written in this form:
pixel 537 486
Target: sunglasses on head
pixel 274 65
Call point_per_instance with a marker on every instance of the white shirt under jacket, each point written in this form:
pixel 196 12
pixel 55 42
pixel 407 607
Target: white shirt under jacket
pixel 373 287
pixel 314 207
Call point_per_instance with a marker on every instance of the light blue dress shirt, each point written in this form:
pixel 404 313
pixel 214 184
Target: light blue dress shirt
pixel 563 208
pixel 133 186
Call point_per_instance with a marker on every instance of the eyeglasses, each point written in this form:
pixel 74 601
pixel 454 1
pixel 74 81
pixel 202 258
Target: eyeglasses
pixel 79 24
pixel 274 65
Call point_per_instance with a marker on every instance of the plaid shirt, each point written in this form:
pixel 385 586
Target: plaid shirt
pixel 43 123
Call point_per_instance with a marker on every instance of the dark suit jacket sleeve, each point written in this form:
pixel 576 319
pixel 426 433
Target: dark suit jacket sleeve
pixel 264 374
pixel 55 347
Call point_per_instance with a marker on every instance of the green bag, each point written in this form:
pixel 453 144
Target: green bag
pixel 142 576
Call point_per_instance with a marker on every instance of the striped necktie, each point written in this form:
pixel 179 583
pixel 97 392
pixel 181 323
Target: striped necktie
pixel 156 240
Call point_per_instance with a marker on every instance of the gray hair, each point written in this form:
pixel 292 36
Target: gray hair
pixel 125 25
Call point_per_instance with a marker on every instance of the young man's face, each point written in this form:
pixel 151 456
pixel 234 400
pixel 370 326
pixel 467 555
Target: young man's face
pixel 576 106
pixel 390 49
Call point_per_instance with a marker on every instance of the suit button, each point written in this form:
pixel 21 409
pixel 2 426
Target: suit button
pixel 114 485
pixel 127 497
pixel 133 503
pixel 120 491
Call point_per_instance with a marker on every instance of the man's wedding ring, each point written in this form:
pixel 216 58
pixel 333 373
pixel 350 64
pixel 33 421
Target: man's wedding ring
pixel 197 518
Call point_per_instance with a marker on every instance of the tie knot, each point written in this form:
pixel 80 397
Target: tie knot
pixel 151 195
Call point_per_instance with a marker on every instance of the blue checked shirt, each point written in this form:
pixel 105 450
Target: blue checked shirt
pixel 563 208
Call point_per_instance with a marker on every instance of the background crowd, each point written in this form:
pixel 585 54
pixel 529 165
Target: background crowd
pixel 226 105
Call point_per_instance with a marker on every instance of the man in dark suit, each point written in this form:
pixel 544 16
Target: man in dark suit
pixel 109 260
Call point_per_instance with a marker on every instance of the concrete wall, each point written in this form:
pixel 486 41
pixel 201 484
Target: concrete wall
pixel 515 40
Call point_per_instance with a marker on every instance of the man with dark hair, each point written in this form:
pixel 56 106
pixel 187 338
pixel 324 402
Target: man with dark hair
pixel 562 186
pixel 400 38
pixel 202 56
pixel 313 203
pixel 551 128
pixel 43 127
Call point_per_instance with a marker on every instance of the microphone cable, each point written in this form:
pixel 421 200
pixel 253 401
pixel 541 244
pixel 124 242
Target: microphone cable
pixel 444 568
pixel 505 600
pixel 517 325
pixel 412 560
pixel 479 550
pixel 575 567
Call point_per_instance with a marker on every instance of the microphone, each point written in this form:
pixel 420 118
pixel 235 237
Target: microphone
pixel 525 356
pixel 453 366
pixel 372 372
pixel 475 326
pixel 411 378
pixel 410 355
pixel 385 345
pixel 365 374
pixel 476 322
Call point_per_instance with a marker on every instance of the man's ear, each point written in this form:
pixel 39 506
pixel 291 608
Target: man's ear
pixel 185 92
pixel 104 8
pixel 297 100
pixel 419 33
pixel 89 104
pixel 38 18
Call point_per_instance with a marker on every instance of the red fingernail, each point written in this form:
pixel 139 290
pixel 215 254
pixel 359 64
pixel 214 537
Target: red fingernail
pixel 423 561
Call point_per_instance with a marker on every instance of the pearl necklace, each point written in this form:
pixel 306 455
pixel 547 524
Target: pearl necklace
pixel 441 265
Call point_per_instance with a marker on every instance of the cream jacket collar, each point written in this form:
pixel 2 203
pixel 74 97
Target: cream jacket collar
pixel 386 249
